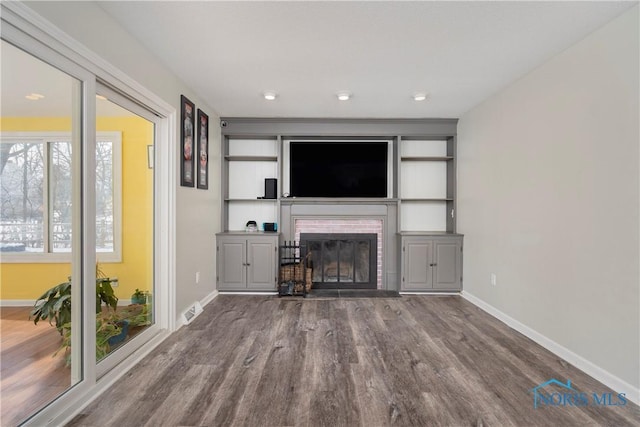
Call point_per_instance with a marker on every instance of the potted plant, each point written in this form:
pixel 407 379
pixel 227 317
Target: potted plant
pixel 136 315
pixel 110 331
pixel 139 297
pixel 112 328
pixel 55 303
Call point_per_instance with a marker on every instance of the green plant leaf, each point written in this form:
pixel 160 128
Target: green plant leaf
pixel 58 304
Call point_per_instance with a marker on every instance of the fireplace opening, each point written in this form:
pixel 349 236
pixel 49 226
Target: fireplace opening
pixel 342 261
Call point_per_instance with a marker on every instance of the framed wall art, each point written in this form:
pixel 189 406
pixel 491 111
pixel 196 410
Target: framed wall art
pixel 186 142
pixel 203 150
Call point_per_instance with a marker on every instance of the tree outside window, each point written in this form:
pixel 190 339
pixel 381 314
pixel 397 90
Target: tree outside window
pixel 31 222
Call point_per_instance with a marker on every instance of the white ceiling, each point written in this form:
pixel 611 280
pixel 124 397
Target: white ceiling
pixel 383 52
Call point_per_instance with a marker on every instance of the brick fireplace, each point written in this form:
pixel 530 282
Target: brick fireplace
pixel 353 216
pixel 346 227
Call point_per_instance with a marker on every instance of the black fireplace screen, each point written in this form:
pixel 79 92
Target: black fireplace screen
pixel 343 261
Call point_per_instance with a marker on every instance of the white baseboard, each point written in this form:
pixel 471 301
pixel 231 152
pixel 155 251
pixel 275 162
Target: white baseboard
pixel 206 300
pixel 31 302
pixel 617 384
pixel 247 293
pixel 17 302
pixel 429 293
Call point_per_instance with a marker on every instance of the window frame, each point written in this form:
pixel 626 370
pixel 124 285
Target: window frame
pixel 115 256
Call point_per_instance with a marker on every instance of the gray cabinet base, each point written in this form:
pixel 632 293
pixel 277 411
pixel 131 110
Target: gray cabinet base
pixel 431 262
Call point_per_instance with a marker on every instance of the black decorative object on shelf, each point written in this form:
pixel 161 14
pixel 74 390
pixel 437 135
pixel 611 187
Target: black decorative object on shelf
pixel 270 226
pixel 270 188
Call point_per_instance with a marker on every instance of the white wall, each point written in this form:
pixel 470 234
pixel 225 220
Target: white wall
pixel 549 199
pixel 197 211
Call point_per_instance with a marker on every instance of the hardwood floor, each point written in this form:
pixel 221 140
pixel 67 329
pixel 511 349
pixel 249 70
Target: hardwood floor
pixel 30 376
pixel 415 360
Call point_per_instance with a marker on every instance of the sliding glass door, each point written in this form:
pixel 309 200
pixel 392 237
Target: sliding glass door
pixel 78 229
pixel 41 233
pixel 86 226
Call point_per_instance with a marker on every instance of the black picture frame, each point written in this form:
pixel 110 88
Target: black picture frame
pixel 203 150
pixel 187 124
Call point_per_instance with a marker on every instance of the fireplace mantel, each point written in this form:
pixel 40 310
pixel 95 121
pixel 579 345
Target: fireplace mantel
pixel 337 201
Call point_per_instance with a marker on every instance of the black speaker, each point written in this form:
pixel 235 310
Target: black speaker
pixel 270 188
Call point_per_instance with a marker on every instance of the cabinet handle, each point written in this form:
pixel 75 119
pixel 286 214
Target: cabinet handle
pixel 432 265
pixel 248 264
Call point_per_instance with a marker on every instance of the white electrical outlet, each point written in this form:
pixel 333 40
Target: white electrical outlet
pixel 494 279
pixel 197 277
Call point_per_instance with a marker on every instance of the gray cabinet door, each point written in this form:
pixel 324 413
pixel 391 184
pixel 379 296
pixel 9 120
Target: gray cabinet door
pixel 261 264
pixel 416 272
pixel 447 259
pixel 232 270
pixel 431 263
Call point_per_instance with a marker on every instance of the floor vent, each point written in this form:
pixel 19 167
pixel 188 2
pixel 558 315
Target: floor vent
pixel 191 313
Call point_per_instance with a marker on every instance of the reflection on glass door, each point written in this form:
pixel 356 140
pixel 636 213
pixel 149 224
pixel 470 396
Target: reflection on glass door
pixel 39 234
pixel 124 226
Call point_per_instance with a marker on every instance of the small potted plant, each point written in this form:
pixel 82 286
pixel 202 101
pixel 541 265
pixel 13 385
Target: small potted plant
pixel 139 297
pixel 111 330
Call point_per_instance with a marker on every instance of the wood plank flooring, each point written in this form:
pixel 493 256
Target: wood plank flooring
pixel 410 361
pixel 30 377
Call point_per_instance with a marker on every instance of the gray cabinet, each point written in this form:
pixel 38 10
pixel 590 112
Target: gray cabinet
pixel 247 262
pixel 431 262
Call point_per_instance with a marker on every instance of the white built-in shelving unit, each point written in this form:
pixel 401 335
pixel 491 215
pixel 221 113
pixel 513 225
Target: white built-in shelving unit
pixel 425 178
pixel 426 185
pixel 246 164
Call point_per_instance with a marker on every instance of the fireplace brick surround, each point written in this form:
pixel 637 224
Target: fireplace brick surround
pixel 345 226
pixel 367 216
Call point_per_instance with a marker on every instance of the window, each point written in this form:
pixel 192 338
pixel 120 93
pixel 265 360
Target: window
pixel 35 196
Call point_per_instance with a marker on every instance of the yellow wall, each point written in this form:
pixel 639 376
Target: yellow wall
pixel 29 281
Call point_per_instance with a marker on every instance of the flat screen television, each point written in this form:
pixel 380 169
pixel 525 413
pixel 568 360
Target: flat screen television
pixel 338 169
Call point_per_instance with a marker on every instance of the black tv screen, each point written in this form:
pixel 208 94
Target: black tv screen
pixel 338 169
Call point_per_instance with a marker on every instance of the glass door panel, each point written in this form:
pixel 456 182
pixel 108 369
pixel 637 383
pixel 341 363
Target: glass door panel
pixel 124 225
pixel 346 261
pixel 40 223
pixel 363 261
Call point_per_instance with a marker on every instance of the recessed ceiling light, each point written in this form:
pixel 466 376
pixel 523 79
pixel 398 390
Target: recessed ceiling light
pixel 420 96
pixel 34 96
pixel 343 96
pixel 101 97
pixel 269 96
